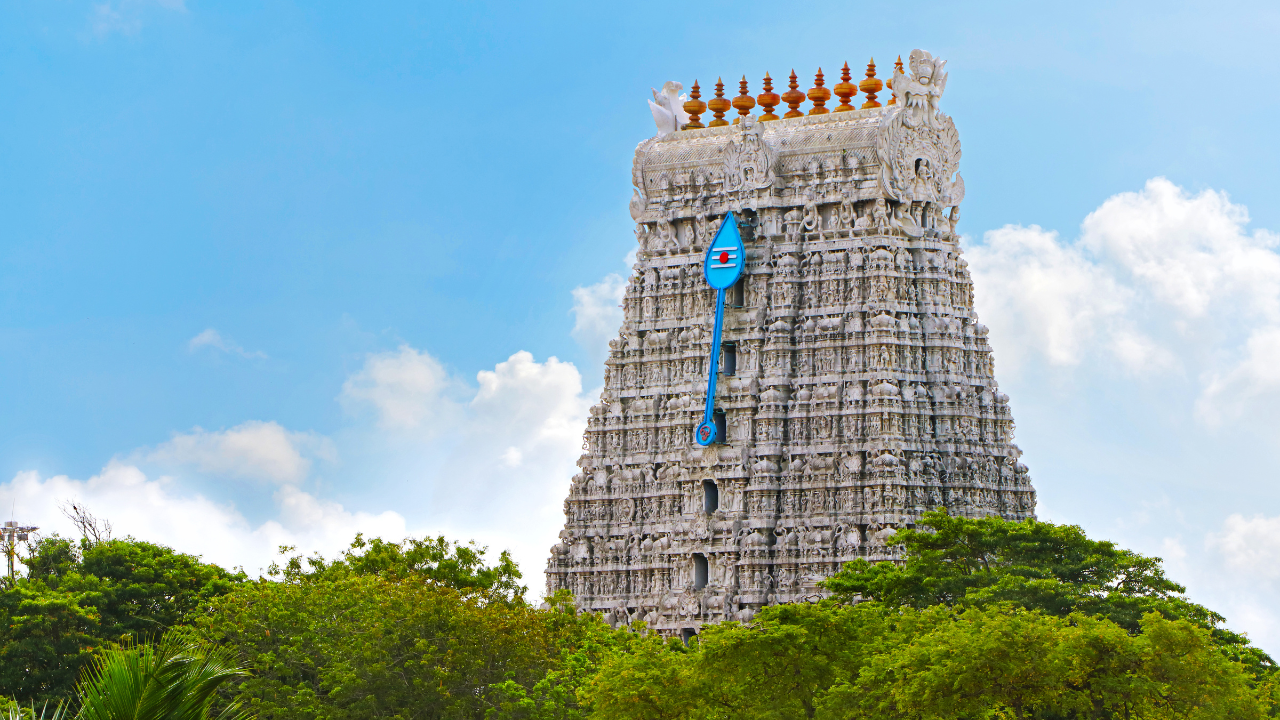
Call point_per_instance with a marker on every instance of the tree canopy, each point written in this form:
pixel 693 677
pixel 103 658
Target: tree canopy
pixel 1054 569
pixel 981 619
pixel 82 596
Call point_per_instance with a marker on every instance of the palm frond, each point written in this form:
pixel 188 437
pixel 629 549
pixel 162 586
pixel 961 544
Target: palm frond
pixel 174 678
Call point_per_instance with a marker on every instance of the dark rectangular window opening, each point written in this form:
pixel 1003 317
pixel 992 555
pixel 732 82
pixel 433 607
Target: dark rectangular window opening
pixel 736 295
pixel 729 363
pixel 722 427
pixel 699 571
pixel 710 496
pixel 688 634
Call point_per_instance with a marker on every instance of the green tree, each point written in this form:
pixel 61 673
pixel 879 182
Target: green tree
pixel 11 709
pixel 647 678
pixel 78 597
pixel 451 564
pixel 1056 569
pixel 408 630
pixel 46 637
pixel 1010 662
pixel 983 619
pixel 584 642
pixel 141 588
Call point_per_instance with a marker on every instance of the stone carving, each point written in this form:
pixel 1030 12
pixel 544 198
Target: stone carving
pixel 748 163
pixel 668 108
pixel 863 392
pixel 918 146
pixel 919 94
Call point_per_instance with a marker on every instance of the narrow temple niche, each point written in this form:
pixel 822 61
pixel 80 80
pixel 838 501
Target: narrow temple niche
pixel 722 427
pixel 710 496
pixel 736 295
pixel 729 358
pixel 699 571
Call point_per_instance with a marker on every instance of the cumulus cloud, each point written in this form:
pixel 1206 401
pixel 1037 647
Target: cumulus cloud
pixel 253 450
pixel 597 314
pixel 406 389
pixel 497 471
pixel 211 338
pixel 1189 252
pixel 1166 309
pixel 1160 281
pixel 524 432
pixel 156 510
pixel 1040 294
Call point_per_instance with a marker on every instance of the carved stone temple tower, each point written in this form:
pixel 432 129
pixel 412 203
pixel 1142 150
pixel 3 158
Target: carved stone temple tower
pixel 856 386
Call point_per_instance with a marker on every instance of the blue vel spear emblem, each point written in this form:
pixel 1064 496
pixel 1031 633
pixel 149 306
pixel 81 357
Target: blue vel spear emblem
pixel 722 268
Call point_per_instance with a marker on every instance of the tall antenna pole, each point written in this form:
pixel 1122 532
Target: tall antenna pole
pixel 10 535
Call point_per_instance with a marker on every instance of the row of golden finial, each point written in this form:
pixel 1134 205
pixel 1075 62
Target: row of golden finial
pixel 819 94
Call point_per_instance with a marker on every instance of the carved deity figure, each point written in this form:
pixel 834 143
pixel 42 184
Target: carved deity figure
pixel 920 92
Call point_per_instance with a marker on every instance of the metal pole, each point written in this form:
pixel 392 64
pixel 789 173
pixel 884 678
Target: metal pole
pixel 11 533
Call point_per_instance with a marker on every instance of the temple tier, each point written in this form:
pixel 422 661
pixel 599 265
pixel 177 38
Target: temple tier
pixel 856 384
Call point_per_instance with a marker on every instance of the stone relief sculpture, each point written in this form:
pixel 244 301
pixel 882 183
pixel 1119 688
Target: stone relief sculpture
pixel 918 146
pixel 748 162
pixel 860 394
pixel 668 108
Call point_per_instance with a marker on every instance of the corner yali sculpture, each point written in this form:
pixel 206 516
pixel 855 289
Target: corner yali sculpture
pixel 846 386
pixel 722 267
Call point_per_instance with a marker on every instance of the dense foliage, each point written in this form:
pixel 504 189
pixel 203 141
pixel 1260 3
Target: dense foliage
pixel 78 597
pixel 982 619
pixel 421 629
pixel 873 661
pixel 1054 569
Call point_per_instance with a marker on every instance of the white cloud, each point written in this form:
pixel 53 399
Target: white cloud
pixel 1250 545
pixel 533 413
pixel 126 16
pixel 1177 292
pixel 597 315
pixel 1040 294
pixel 498 470
pixel 255 450
pixel 211 338
pixel 490 462
pixel 1160 280
pixel 407 389
pixel 1189 252
pixel 154 510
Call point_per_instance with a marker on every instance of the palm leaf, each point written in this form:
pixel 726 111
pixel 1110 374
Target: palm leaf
pixel 172 679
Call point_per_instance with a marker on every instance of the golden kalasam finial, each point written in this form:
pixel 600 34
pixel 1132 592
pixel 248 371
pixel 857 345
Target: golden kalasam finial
pixel 694 107
pixel 870 86
pixel 768 99
pixel 845 90
pixel 744 102
pixel 719 105
pixel 793 98
pixel 819 95
pixel 897 67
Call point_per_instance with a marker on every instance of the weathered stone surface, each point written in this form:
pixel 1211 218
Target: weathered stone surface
pixel 863 393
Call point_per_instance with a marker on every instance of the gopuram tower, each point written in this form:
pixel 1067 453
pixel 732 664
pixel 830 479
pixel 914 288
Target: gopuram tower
pixel 855 387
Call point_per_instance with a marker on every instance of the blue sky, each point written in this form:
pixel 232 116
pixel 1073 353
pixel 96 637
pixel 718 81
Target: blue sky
pixel 276 272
